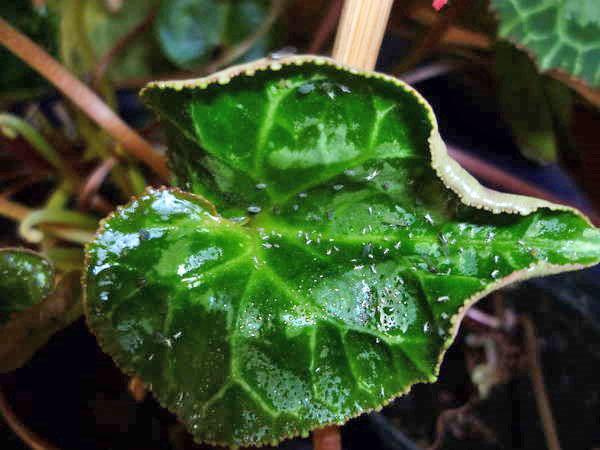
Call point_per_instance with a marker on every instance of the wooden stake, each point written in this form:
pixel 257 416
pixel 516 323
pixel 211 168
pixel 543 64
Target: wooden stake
pixel 360 32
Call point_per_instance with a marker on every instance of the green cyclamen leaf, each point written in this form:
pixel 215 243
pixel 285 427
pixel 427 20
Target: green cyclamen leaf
pixel 560 34
pixel 537 107
pixel 333 274
pixel 191 31
pixel 26 278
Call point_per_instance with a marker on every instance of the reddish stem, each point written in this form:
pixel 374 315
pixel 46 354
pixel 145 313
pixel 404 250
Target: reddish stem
pixel 326 27
pixel 498 177
pixel 27 436
pixel 94 181
pixel 120 45
pixel 82 96
pixel 328 438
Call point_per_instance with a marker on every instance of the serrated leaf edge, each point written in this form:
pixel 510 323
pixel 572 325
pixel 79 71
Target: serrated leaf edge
pixel 448 170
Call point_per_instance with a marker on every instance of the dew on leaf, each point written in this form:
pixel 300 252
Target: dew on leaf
pixel 372 175
pixel 306 88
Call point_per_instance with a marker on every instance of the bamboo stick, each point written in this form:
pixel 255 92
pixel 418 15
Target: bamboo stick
pixel 360 32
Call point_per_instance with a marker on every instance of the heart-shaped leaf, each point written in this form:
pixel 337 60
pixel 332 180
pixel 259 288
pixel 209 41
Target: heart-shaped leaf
pixel 561 34
pixel 343 252
pixel 26 278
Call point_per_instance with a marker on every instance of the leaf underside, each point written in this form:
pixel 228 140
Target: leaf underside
pixel 333 273
pixel 560 34
pixel 26 279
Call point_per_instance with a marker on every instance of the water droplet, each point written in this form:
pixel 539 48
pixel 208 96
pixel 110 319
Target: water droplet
pixel 283 52
pixel 426 327
pixel 372 175
pixel 253 209
pixel 306 88
pixel 302 195
pixel 261 186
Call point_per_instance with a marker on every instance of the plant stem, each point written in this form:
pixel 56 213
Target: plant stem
pixel 12 210
pixel 326 27
pixel 328 438
pixel 104 62
pixel 82 96
pixel 277 7
pixel 94 181
pixel 71 219
pixel 432 38
pixel 539 386
pixel 37 141
pixel 27 436
pixel 360 32
pixel 483 318
pixel 504 180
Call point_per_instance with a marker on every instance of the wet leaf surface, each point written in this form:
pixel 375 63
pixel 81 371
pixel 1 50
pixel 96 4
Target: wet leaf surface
pixel 332 274
pixel 26 278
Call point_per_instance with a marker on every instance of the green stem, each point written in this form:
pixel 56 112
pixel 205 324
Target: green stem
pixel 11 123
pixel 59 197
pixel 136 179
pixel 83 222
